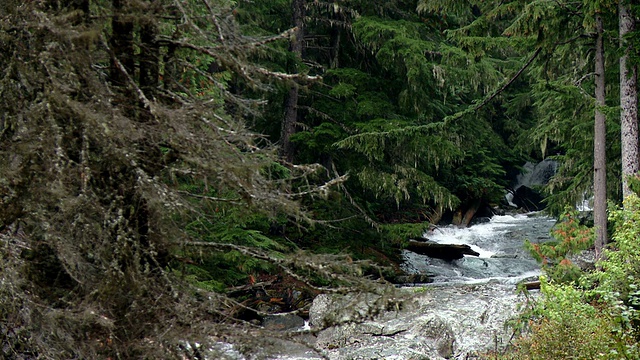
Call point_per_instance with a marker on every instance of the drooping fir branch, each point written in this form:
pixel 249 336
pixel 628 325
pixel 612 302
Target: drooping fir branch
pixel 490 97
pixel 286 264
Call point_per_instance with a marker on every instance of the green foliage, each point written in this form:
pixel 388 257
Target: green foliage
pixel 570 238
pixel 401 233
pixel 620 269
pixel 391 76
pixel 596 316
pixel 565 325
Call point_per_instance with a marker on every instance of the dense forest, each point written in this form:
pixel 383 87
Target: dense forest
pixel 159 158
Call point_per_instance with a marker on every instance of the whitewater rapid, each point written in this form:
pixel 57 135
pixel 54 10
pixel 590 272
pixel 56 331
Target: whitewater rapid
pixel 500 243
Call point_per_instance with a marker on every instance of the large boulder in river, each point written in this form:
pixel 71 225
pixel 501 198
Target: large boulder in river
pixel 431 323
pixel 529 199
pixel 532 177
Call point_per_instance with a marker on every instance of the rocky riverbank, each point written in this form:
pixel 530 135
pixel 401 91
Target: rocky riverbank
pixel 420 323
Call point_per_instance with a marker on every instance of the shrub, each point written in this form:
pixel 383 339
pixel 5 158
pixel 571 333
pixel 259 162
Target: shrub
pixel 596 315
pixel 564 325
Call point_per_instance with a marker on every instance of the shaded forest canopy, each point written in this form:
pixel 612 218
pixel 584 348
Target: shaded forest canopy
pixel 131 187
pixel 158 158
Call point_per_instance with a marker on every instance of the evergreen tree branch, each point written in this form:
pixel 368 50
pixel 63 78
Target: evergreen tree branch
pixel 322 188
pixel 212 198
pixel 366 217
pixel 326 116
pixel 498 91
pixel 142 97
pixel 282 263
pixel 216 54
pixel 506 85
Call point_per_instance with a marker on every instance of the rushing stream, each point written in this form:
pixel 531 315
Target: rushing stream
pixel 500 243
pixel 462 317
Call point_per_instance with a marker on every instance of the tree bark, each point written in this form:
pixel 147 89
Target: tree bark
pixel 599 149
pixel 470 213
pixel 441 251
pixel 334 52
pixel 289 124
pixel 291 105
pixel 628 100
pixel 121 43
pixel 149 58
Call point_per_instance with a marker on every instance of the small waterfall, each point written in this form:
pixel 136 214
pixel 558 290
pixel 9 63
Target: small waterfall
pixel 525 187
pixel 536 174
pixel 586 204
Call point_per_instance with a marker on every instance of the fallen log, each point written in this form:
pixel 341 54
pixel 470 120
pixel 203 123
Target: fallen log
pixel 441 251
pixel 532 285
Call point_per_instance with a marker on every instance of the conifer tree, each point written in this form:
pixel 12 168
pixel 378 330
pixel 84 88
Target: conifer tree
pixel 289 123
pixel 599 149
pixel 127 168
pixel 628 97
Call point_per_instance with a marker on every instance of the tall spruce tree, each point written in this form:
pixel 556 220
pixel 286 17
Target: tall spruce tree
pixel 628 97
pixel 599 148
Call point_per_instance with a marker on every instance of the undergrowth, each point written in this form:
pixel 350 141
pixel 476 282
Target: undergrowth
pixel 585 315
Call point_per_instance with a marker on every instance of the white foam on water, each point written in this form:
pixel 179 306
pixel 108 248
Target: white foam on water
pixel 499 224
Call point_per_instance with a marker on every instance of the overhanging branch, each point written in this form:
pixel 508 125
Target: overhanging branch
pixel 498 91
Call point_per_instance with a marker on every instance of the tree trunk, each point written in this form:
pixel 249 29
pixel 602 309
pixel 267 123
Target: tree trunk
pixel 291 104
pixel 334 52
pixel 599 149
pixel 121 43
pixel 149 58
pixel 470 213
pixel 628 100
pixel 289 124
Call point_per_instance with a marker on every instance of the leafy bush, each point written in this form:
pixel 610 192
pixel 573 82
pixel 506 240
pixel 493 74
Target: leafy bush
pixel 596 315
pixel 565 325
pixel 571 237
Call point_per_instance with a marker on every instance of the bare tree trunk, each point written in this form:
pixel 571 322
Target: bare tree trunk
pixel 291 104
pixel 334 52
pixel 121 43
pixel 149 58
pixel 289 124
pixel 628 100
pixel 599 148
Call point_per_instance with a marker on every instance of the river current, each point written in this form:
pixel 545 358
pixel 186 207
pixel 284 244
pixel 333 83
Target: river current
pixel 500 243
pixel 465 313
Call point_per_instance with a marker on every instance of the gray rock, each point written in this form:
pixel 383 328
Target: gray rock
pixel 283 322
pixel 585 260
pixel 334 309
pixel 428 323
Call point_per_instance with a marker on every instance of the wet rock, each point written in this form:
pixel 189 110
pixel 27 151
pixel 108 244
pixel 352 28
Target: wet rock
pixel 433 323
pixel 412 279
pixel 335 309
pixel 532 177
pixel 528 199
pixel 480 220
pixel 283 322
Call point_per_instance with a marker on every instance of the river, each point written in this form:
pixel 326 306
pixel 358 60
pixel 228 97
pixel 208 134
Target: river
pixel 500 243
pixel 460 315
